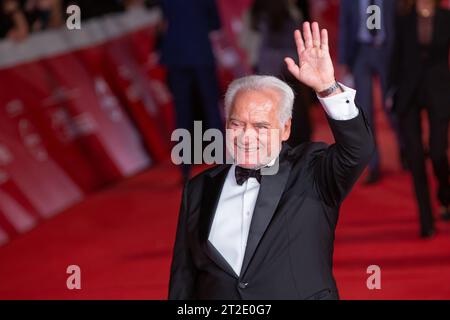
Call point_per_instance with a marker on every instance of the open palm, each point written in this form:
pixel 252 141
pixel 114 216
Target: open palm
pixel 315 67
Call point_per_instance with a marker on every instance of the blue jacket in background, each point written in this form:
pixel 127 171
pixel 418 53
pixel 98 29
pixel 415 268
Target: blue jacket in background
pixel 186 42
pixel 349 23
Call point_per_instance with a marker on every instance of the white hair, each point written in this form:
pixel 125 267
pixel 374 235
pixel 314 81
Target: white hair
pixel 256 83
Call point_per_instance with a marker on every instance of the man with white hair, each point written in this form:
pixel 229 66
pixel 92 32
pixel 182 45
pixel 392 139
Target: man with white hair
pixel 248 232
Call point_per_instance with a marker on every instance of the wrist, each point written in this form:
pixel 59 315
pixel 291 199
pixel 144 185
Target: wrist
pixel 325 85
pixel 329 89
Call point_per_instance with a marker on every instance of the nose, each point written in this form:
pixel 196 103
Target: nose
pixel 249 130
pixel 248 136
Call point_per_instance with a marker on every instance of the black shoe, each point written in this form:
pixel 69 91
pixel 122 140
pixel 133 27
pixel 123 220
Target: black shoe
pixel 445 215
pixel 372 178
pixel 428 233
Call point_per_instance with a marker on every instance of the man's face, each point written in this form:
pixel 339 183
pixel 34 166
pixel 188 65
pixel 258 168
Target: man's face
pixel 254 131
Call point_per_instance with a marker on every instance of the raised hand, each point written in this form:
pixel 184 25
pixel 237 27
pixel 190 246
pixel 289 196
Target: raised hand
pixel 315 67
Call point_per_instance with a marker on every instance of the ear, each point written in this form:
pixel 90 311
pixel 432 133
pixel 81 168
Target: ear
pixel 286 131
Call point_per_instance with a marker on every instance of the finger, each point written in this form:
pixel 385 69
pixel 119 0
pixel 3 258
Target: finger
pixel 316 34
pixel 324 37
pixel 292 67
pixel 299 41
pixel 307 35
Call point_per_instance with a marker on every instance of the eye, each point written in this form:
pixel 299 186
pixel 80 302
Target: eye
pixel 235 123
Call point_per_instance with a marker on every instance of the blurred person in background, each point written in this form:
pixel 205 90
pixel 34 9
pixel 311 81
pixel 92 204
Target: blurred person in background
pixel 249 35
pixel 13 22
pixel 134 4
pixel 366 53
pixel 44 14
pixel 187 53
pixel 95 8
pixel 141 4
pixel 303 6
pixel 421 78
pixel 275 21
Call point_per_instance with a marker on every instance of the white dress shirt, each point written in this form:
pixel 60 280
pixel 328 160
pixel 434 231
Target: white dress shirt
pixel 231 224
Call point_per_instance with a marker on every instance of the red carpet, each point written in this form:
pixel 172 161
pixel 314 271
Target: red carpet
pixel 122 239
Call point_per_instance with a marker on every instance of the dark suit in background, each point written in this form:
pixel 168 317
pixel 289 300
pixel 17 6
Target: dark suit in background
pixel 276 22
pixel 289 252
pixel 422 78
pixel 367 55
pixel 188 55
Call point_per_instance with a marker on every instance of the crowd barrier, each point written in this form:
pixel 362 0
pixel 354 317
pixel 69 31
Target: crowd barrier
pixel 79 109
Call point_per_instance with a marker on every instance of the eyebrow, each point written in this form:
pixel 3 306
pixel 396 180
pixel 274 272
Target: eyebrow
pixel 234 119
pixel 262 123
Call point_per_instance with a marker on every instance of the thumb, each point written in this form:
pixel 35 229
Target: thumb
pixel 292 67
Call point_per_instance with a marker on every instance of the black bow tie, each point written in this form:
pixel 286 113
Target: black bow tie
pixel 242 174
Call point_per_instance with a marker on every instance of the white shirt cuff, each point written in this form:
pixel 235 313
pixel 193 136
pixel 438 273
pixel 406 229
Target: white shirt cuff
pixel 341 106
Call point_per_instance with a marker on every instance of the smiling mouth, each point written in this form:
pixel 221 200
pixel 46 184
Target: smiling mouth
pixel 246 149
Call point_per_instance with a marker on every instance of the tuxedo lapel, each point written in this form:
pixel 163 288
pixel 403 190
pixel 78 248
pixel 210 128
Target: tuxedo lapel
pixel 270 192
pixel 211 194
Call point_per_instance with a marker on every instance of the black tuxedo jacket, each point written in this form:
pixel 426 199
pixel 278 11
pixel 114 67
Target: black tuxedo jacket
pixel 289 253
